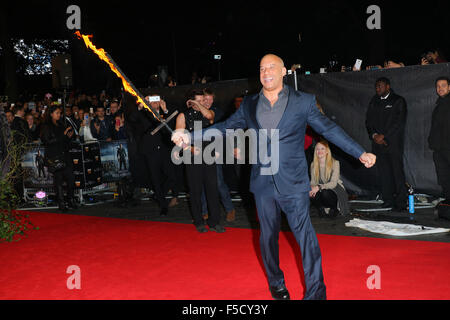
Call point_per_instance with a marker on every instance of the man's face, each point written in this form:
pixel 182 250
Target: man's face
pixel 381 88
pixel 208 100
pixel 100 113
pixel 68 112
pixel 442 88
pixel 114 107
pixel 271 73
pixel 200 98
pixel 30 119
pixel 9 117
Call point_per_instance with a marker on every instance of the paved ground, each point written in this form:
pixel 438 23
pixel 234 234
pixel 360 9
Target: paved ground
pixel 147 209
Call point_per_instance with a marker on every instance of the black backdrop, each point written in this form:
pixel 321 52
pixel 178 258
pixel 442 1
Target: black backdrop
pixel 345 98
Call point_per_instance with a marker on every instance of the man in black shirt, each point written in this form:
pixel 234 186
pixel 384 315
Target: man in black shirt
pixel 385 123
pixel 439 139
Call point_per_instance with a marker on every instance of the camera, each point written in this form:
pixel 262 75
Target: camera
pixel 154 98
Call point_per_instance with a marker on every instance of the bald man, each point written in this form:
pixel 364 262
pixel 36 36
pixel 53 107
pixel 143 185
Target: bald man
pixel 280 107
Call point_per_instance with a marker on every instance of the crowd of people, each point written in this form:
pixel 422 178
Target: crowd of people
pixel 101 117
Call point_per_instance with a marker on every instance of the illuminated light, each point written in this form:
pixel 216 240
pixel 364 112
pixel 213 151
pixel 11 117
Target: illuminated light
pixel 40 195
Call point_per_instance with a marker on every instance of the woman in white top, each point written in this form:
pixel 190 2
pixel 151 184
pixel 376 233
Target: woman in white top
pixel 327 190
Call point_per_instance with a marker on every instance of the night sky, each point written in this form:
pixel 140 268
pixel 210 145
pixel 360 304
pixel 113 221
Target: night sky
pixel 185 35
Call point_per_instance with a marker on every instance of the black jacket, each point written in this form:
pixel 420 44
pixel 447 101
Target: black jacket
pixel 20 130
pixel 387 117
pixel 439 138
pixel 55 141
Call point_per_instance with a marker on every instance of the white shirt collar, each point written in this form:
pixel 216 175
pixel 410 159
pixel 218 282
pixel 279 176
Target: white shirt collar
pixel 384 98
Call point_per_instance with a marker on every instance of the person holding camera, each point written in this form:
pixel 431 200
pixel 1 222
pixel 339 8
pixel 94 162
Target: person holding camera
pixel 56 138
pixel 101 127
pixel 156 151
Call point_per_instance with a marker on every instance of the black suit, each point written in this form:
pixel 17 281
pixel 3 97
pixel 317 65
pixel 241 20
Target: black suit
pixel 439 142
pixel 388 117
pixel 156 151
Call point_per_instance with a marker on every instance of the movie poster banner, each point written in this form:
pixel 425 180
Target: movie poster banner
pixel 86 162
pixel 114 158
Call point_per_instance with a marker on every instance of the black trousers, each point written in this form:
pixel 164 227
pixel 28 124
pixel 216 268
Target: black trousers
pixel 65 175
pixel 161 174
pixel 442 164
pixel 392 178
pixel 201 176
pixel 325 199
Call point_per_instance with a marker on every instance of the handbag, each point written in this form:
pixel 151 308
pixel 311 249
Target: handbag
pixel 55 164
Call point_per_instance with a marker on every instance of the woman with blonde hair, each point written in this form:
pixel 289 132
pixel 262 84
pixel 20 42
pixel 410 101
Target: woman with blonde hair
pixel 327 190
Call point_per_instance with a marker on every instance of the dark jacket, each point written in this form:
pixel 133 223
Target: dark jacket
pixel 20 131
pixel 55 141
pixel 439 138
pixel 387 117
pixel 292 176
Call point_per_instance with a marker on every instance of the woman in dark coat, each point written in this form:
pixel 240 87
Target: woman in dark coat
pixel 56 137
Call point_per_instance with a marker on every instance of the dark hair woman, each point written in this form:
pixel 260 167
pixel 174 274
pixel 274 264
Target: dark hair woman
pixel 56 137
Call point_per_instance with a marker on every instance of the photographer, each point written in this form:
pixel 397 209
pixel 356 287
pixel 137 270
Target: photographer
pixel 56 137
pixel 434 56
pixel 156 152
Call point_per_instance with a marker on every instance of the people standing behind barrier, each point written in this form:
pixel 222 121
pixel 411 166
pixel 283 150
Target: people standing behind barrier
pixel 200 176
pixel 56 138
pixel 385 123
pixel 327 190
pixel 33 129
pixel 433 56
pixel 101 127
pixel 119 133
pixel 439 138
pixel 156 151
pixel 224 192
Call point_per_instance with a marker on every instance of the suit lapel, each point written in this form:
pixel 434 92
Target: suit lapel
pixel 252 111
pixel 286 110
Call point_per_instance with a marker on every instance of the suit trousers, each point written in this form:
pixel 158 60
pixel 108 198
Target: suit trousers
pixel 442 164
pixel 270 203
pixel 392 178
pixel 161 175
pixel 199 177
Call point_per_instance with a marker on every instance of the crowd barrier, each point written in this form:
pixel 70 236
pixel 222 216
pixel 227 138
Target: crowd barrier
pixel 96 166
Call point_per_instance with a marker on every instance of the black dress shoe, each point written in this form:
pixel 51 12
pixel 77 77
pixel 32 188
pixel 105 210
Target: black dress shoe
pixel 280 293
pixel 72 204
pixel 163 212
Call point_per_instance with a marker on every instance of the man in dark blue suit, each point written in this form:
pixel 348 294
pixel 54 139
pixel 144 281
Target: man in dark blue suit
pixel 286 188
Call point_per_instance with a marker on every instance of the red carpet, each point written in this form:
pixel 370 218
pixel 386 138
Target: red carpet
pixel 129 259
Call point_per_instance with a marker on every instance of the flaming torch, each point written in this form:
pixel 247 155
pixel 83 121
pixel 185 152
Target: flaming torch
pixel 127 85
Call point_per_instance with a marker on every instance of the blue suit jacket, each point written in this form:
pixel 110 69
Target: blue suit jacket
pixel 301 110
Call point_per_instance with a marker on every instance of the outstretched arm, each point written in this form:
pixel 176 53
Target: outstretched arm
pixel 335 134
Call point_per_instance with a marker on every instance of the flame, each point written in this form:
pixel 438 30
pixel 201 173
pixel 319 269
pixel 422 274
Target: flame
pixel 101 53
